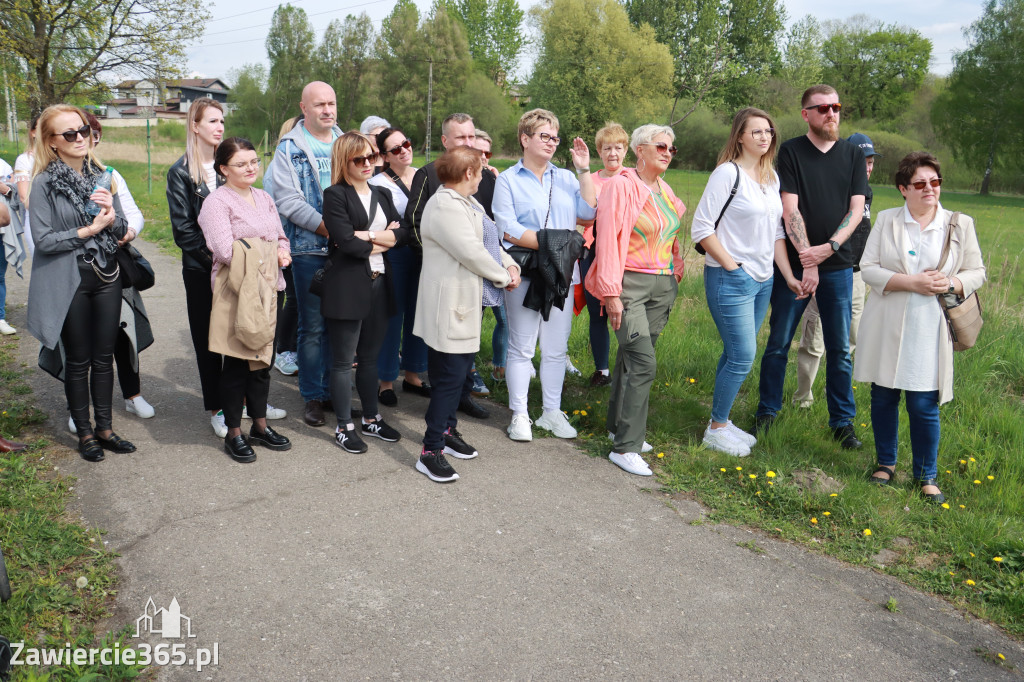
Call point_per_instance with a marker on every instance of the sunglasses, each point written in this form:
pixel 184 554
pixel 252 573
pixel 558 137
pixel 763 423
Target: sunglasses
pixel 487 155
pixel 369 158
pixel 662 148
pixel 920 184
pixel 397 149
pixel 823 108
pixel 72 135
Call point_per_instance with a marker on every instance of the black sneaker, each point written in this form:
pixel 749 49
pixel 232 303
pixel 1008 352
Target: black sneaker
pixel 349 440
pixel 378 429
pixel 456 447
pixel 436 467
pixel 474 409
pixel 847 437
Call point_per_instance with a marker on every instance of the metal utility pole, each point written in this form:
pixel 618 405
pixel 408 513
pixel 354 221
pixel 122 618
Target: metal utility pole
pixel 430 97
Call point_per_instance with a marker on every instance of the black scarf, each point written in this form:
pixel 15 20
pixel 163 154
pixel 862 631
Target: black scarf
pixel 76 188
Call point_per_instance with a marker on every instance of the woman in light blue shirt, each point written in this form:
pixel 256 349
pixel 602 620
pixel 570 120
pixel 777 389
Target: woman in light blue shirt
pixel 530 196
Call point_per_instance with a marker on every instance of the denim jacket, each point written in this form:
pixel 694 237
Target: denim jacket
pixel 296 191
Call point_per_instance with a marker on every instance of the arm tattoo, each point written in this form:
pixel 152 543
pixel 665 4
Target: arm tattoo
pixel 845 223
pixel 797 231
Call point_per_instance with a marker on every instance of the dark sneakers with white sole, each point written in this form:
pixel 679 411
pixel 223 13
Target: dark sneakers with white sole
pixel 435 467
pixel 455 446
pixel 348 439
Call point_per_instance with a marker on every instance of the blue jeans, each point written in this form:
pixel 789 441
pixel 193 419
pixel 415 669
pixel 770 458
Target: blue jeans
pixel 923 410
pixel 738 304
pixel 399 341
pixel 600 338
pixel 499 338
pixel 835 305
pixel 3 282
pixel 313 346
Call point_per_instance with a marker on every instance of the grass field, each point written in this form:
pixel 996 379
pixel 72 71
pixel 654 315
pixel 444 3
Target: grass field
pixel 972 552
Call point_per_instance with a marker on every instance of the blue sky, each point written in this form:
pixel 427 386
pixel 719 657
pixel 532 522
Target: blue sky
pixel 237 31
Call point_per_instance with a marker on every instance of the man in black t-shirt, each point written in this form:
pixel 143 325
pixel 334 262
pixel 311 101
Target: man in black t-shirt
pixel 823 182
pixel 812 346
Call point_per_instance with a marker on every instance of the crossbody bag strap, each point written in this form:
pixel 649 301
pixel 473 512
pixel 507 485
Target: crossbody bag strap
pixel 953 221
pixel 390 172
pixel 732 194
pixel 551 191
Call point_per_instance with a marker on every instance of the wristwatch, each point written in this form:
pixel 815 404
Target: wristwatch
pixel 371 236
pixel 834 244
pixel 952 287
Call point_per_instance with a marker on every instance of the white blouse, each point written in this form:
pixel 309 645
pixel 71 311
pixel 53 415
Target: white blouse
pixel 378 224
pixel 750 225
pixel 917 368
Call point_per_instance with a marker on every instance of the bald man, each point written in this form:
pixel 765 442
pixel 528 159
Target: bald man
pixel 301 171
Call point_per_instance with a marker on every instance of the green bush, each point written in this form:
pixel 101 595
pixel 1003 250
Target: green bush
pixel 700 139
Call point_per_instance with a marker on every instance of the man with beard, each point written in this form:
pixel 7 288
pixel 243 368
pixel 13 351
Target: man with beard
pixel 823 181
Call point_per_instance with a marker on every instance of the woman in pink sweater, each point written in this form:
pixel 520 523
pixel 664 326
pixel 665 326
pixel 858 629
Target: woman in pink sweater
pixel 237 210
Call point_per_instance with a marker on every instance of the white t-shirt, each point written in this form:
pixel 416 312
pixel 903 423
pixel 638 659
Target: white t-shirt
pixel 210 175
pixel 750 225
pixel 131 210
pixel 378 223
pixel 397 195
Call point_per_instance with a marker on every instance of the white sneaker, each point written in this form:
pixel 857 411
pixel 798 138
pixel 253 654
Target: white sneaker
pixel 7 329
pixel 71 426
pixel 272 412
pixel 557 423
pixel 219 427
pixel 520 429
pixel 139 407
pixel 722 440
pixel 741 434
pixel 647 447
pixel 571 368
pixel 631 462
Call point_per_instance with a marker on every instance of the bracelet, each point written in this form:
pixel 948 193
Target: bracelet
pixel 581 171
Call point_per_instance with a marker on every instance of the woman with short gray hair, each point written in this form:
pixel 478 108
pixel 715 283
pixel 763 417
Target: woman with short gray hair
pixel 636 274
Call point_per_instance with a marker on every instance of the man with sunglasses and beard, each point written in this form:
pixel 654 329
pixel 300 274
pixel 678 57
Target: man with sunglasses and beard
pixel 823 182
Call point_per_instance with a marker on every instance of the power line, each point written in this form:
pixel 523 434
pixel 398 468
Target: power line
pixel 317 14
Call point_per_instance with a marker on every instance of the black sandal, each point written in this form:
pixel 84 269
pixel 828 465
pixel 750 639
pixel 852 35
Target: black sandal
pixel 878 480
pixel 937 498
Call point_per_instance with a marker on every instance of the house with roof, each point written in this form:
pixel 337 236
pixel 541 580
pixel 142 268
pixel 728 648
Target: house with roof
pixel 147 98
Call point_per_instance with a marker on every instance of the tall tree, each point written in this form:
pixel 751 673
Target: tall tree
pixel 722 49
pixel 68 45
pixel 290 45
pixel 494 33
pixel 344 60
pixel 979 113
pixel 251 117
pixel 594 66
pixel 876 67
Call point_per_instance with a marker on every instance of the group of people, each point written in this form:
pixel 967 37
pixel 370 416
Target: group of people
pixel 390 268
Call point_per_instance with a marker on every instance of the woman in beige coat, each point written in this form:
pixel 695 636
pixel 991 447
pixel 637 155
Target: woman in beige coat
pixel 464 267
pixel 904 343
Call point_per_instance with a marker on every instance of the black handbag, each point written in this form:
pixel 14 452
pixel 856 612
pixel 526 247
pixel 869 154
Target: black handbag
pixel 526 258
pixel 136 271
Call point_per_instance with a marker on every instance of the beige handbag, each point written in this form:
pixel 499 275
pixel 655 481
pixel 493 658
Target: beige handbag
pixel 963 315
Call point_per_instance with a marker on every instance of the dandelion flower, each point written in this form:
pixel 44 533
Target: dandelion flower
pixel 814 520
pixel 977 482
pixel 973 460
pixel 834 495
pixel 739 468
pixel 972 554
pixel 692 380
pixel 666 383
pixel 770 474
pixel 969 583
pixel 945 505
pixel 863 424
pixel 771 483
pixel 963 507
pixel 583 413
pixel 948 471
pixel 82 582
pixel 575 411
pixel 991 478
pixel 722 470
pixel 963 461
pixel 867 531
pixel 660 455
pixel 1001 657
pixel 752 476
pixel 826 513
pixel 997 559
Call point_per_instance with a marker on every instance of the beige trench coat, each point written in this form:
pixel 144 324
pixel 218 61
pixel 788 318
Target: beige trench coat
pixel 881 334
pixel 245 303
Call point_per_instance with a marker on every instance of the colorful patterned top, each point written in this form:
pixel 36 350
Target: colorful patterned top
pixel 650 243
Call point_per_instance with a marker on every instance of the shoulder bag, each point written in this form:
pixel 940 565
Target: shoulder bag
pixel 735 185
pixel 136 271
pixel 316 285
pixel 524 257
pixel 963 315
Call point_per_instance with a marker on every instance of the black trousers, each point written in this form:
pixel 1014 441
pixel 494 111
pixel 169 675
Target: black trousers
pixel 198 304
pixel 351 339
pixel 126 374
pixel 240 386
pixel 449 383
pixel 89 334
pixel 287 316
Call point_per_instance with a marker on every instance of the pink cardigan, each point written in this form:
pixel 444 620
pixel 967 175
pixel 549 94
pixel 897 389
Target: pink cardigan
pixel 226 217
pixel 622 199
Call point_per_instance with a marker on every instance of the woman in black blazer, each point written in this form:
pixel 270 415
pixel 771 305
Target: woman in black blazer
pixel 363 224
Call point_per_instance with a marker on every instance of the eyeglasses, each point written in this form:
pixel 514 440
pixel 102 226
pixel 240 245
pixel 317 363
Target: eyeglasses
pixel 72 135
pixel 369 158
pixel 762 134
pixel 397 149
pixel 255 163
pixel 920 184
pixel 661 147
pixel 547 137
pixel 823 108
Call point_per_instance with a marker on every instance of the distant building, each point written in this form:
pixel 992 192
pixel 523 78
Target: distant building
pixel 166 99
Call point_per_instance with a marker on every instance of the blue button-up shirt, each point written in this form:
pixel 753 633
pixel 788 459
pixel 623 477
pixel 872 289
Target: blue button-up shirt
pixel 521 201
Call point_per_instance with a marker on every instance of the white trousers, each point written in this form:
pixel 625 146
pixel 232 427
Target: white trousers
pixel 525 327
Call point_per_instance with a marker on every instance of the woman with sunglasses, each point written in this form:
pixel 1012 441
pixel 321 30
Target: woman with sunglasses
pixel 238 212
pixel 401 349
pixel 357 300
pixel 530 197
pixel 636 274
pixel 74 295
pixel 904 345
pixel 742 235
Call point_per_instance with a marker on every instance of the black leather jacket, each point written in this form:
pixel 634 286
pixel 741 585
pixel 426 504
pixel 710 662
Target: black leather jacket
pixel 184 201
pixel 551 281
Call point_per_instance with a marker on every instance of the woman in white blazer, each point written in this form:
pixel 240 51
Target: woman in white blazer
pixel 904 343
pixel 464 267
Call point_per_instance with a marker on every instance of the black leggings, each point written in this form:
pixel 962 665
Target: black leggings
pixel 89 334
pixel 198 303
pixel 126 374
pixel 351 339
